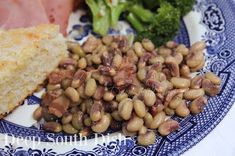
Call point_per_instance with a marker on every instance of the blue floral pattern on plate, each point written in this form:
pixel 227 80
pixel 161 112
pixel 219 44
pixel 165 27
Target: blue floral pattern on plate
pixel 218 19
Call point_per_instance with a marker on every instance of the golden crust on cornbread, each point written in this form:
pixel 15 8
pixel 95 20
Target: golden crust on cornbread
pixel 27 56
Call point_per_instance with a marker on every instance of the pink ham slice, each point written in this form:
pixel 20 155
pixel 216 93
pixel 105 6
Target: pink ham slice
pixel 21 13
pixel 58 12
pixel 26 13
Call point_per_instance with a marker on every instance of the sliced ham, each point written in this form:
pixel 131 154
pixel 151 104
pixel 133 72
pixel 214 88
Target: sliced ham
pixel 58 12
pixel 26 13
pixel 21 13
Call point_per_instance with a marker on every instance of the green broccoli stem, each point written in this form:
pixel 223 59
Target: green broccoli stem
pixel 143 14
pixel 134 21
pixel 115 11
pixel 100 16
pixel 115 14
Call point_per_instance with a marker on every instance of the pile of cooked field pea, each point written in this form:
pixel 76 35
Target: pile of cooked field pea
pixel 136 88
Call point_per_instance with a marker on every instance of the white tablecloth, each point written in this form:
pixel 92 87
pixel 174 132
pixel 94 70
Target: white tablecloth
pixel 219 142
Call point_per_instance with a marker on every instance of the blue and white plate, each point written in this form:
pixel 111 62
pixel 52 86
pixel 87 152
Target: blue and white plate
pixel 210 20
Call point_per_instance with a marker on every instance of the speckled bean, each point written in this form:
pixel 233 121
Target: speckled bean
pixel 149 97
pixel 146 139
pixel 77 120
pixel 126 132
pixel 148 45
pixel 184 71
pixel 134 124
pixel 139 108
pixel 96 111
pixel 167 127
pixel 198 46
pixel 138 48
pixel 72 94
pixel 116 116
pixel 37 114
pixel 182 110
pixel 102 125
pixel 90 87
pixel 52 127
pixel 69 129
pixel 143 130
pixel 176 101
pixel 194 59
pixel 108 96
pixel 196 82
pixel 121 96
pixel 117 60
pixel 141 74
pixel 67 118
pixel 179 82
pixel 157 120
pixel 148 119
pixel 82 63
pixel 198 105
pixel 213 78
pixel 192 94
pixel 182 49
pixel 125 108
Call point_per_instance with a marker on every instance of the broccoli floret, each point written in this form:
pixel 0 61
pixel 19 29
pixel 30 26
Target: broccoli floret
pixel 183 5
pixel 151 4
pixel 100 16
pixel 163 27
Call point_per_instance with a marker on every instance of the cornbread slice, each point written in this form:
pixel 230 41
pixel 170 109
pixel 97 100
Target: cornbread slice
pixel 27 56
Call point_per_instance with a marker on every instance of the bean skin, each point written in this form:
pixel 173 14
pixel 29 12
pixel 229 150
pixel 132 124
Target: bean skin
pixel 167 127
pixel 143 130
pixel 149 97
pixel 139 108
pixel 148 45
pixel 182 49
pixel 138 49
pixel 194 59
pixel 148 119
pixel 198 46
pixel 37 115
pixel 180 82
pixel 52 127
pixel 82 63
pixel 146 139
pixel 134 124
pixel 126 132
pixel 72 94
pixel 90 87
pixel 157 120
pixel 192 94
pixel 108 96
pixel 213 78
pixel 116 116
pixel 182 110
pixel 67 118
pixel 102 125
pixel 117 60
pixel 198 105
pixel 196 82
pixel 198 67
pixel 96 111
pixel 125 108
pixel 77 120
pixel 176 101
pixel 69 129
pixel 185 71
pixel 121 96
